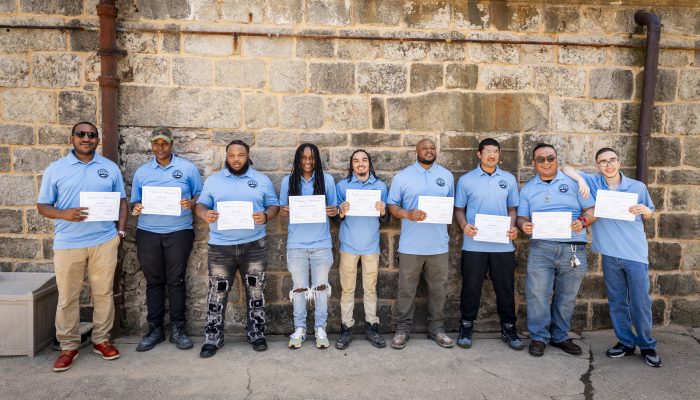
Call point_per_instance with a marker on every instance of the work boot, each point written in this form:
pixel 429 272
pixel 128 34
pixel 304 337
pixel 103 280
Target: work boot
pixel 374 336
pixel 179 337
pixel 399 340
pixel 510 336
pixel 441 339
pixel 155 335
pixel 345 338
pixel 466 330
pixel 568 346
pixel 537 348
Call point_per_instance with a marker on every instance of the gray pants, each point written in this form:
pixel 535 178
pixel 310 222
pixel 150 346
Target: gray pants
pixel 434 268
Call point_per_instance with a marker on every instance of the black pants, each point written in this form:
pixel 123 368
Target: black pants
pixel 163 258
pixel 500 267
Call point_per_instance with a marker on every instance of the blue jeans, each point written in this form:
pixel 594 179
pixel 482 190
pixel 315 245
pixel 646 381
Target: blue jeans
pixel 300 262
pixel 627 283
pixel 549 270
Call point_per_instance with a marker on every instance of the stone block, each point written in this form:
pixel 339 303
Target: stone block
pixel 682 284
pixel 680 199
pixel 368 140
pixel 26 40
pixel 327 78
pixel 691 151
pixel 14 71
pixel 677 20
pixel 170 43
pixel 275 139
pixel 583 116
pixel 504 78
pixel 575 55
pixel 666 82
pixel 34 159
pixel 222 138
pixel 629 118
pixel 561 19
pixel 76 106
pixel 534 54
pixel 377 12
pixel 690 89
pixel 679 225
pixel 315 48
pixel 325 139
pixel 627 57
pixel 579 319
pixel 61 7
pixel 489 112
pixel 85 40
pixel 691 256
pixel 600 318
pixel 138 42
pixel 241 73
pixel 427 14
pixel 301 112
pixel 378 113
pixel 37 223
pixel 16 134
pixel 595 20
pixel 403 51
pixel 174 9
pixel 50 134
pixel 260 111
pixel 678 177
pixel 674 58
pixel 179 107
pixel 19 248
pixel 664 152
pixel 459 140
pixel 243 11
pixel 562 81
pixel 471 14
pixel 381 78
pixel 7 6
pixel 461 76
pixel 10 221
pixel 685 312
pixel 5 159
pixel 611 84
pixel 5 266
pixel 205 10
pixel 347 113
pixel 328 12
pixel 47 246
pixel 664 256
pixel 56 70
pixel 515 17
pixel 493 53
pixel 285 11
pixel 288 76
pixel 657 197
pixel 209 45
pixel 683 119
pixel 150 69
pixel 193 71
pixel 34 266
pixel 353 49
pixel 425 77
pixel 580 149
pixel 447 52
pixel 272 47
pixel 28 106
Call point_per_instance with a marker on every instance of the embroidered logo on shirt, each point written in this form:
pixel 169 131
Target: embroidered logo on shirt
pixel 440 182
pixel 563 188
pixel 103 173
pixel 177 174
pixel 503 184
pixel 252 183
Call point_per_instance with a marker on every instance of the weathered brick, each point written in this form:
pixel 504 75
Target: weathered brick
pixel 275 139
pixel 378 113
pixel 301 112
pixel 611 84
pixel 683 119
pixel 462 76
pixel 209 45
pixel 76 106
pixel 179 107
pixel 137 42
pixel 370 139
pixel 471 14
pixel 14 71
pixel 254 47
pixel 10 221
pixel 664 256
pixel 19 247
pixel 170 43
pixel 241 73
pixel 666 82
pixel 380 12
pixel 353 49
pixel 25 40
pixel 690 89
pixel 34 159
pixel 682 284
pixel 16 134
pixel 595 19
pixel 315 48
pixel 85 40
pixel 685 312
pixel 56 70
pixel 381 78
pixel 403 51
pixel 515 17
pixel 5 161
pixel 565 82
pixel 504 78
pixel 285 11
pixel 493 53
pixel 29 106
pixel 680 199
pixel 245 11
pixel 328 12
pixel 581 55
pixel 61 7
pixel 192 71
pixel 427 14
pixel 680 226
pixel 260 111
pixel 425 77
pixel 347 113
pixel 332 78
pixel 561 19
pixel 288 76
pixel 583 116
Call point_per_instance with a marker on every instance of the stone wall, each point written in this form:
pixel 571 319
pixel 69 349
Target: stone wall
pixel 342 94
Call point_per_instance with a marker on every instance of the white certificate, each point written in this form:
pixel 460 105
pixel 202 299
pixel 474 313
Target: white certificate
pixel 551 225
pixel 161 200
pixel 363 202
pixel 615 205
pixel 234 215
pixel 102 206
pixel 307 209
pixel 438 209
pixel 492 228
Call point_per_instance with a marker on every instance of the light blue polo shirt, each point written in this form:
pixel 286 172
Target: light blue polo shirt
pixel 309 236
pixel 616 238
pixel 560 195
pixel 481 193
pixel 179 173
pixel 360 235
pixel 61 185
pixel 409 183
pixel 252 186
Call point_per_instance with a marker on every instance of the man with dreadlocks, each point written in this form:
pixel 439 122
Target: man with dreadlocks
pixel 359 241
pixel 309 246
pixel 237 249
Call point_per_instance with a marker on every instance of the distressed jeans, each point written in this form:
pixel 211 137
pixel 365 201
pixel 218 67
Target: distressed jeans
pixel 627 283
pixel 550 275
pixel 251 260
pixel 317 262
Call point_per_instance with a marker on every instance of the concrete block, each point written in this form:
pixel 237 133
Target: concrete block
pixel 462 76
pixel 209 45
pixel 25 40
pixel 29 106
pixel 285 11
pixel 14 71
pixel 381 78
pixel 328 12
pixel 288 76
pixel 504 78
pixel 472 14
pixel 562 81
pixel 17 190
pixel 583 116
pixel 193 71
pixel 243 11
pixel 301 112
pixel 427 14
pixel 254 47
pixel 561 19
pixel 74 106
pixel 240 73
pixel 377 12
pixel 56 70
pixel 16 134
pixel 425 77
pixel 327 78
pixel 347 113
pixel 260 111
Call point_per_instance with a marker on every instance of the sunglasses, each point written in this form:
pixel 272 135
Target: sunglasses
pixel 82 134
pixel 549 159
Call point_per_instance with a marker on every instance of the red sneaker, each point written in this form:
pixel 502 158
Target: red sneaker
pixel 65 360
pixel 106 350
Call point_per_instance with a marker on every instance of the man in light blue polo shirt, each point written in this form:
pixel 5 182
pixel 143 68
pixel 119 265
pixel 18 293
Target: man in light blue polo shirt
pixel 487 190
pixel 423 247
pixel 237 249
pixel 623 245
pixel 555 267
pixel 359 241
pixel 81 245
pixel 309 246
pixel 164 242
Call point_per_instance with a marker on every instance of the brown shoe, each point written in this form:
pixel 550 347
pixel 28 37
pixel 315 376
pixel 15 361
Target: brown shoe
pixel 399 341
pixel 568 346
pixel 442 340
pixel 65 360
pixel 536 348
pixel 106 350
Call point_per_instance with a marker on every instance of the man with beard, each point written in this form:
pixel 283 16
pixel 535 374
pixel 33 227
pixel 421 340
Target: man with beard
pixel 359 241
pixel 236 249
pixel 81 245
pixel 422 247
pixel 164 242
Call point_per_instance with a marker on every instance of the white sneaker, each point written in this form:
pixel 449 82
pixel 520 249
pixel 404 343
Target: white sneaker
pixel 321 338
pixel 297 338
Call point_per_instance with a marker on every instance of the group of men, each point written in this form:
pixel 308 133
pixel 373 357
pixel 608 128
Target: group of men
pixel 555 267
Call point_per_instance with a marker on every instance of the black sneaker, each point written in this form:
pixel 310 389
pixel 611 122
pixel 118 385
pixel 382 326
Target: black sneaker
pixel 208 350
pixel 259 344
pixel 344 339
pixel 510 336
pixel 466 329
pixel 619 350
pixel 652 359
pixel 374 336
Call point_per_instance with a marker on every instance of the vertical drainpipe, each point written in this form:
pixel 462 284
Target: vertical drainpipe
pixel 646 110
pixel 109 90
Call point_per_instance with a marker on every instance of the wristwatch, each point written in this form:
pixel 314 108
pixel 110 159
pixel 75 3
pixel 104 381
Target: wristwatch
pixel 122 234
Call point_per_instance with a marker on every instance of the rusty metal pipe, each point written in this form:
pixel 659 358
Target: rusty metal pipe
pixel 646 108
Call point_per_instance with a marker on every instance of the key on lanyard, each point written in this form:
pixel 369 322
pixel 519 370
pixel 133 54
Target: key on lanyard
pixel 575 262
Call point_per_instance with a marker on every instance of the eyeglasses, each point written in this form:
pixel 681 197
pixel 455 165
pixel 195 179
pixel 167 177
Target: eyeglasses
pixel 489 152
pixel 549 159
pixel 606 163
pixel 82 134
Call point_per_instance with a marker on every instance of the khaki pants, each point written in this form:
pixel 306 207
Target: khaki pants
pixel 69 265
pixel 348 277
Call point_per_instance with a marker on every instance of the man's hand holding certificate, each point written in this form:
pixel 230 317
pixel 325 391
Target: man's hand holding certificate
pixel 307 209
pixel 101 206
pixel 161 200
pixel 363 203
pixel 235 215
pixel 438 210
pixel 615 205
pixel 492 228
pixel 551 225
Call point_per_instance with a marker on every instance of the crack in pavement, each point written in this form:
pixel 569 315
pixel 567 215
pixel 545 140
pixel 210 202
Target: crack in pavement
pixel 250 391
pixel 690 335
pixel 588 389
